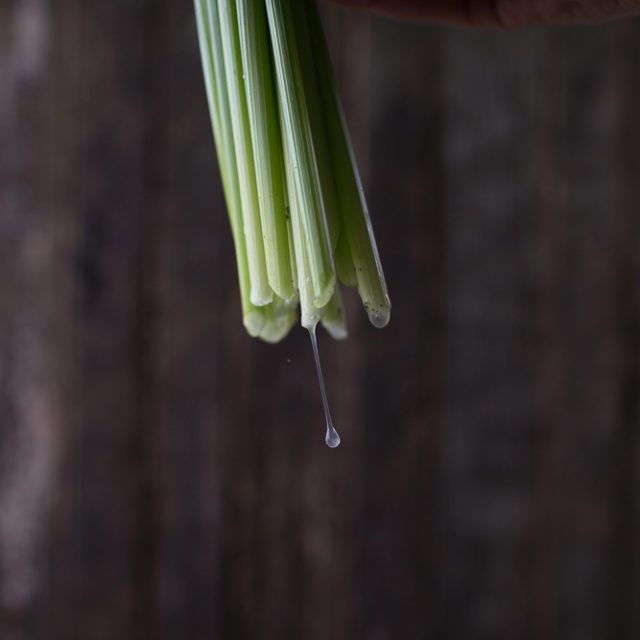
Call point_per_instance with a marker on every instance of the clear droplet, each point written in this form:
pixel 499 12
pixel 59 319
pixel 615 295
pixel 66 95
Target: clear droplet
pixel 379 318
pixel 332 438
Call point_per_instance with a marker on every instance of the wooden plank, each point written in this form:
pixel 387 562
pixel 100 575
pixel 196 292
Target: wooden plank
pixel 94 135
pixel 623 567
pixel 581 338
pixel 164 474
pixel 30 429
pixel 487 87
pixel 402 387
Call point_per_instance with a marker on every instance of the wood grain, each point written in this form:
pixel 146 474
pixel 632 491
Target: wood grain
pixel 163 476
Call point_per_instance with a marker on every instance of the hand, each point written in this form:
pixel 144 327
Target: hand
pixel 505 14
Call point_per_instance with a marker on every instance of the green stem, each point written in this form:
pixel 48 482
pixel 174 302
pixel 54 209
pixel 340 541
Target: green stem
pixel 320 137
pixel 298 139
pixel 310 315
pixel 261 292
pixel 280 317
pixel 356 223
pixel 211 54
pixel 335 319
pixel 266 141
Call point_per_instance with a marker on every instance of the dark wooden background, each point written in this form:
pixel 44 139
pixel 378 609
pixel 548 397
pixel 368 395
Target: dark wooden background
pixel 162 476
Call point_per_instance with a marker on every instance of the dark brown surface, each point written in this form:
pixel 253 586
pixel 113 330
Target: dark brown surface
pixel 162 476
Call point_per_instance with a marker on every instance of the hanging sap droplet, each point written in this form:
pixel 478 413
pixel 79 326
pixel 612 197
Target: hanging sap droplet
pixel 332 438
pixel 379 318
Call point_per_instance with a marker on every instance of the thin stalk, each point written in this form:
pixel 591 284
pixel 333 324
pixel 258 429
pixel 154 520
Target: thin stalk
pixel 310 315
pixel 334 319
pixel 261 292
pixel 210 50
pixel 292 252
pixel 339 241
pixel 280 316
pixel 344 262
pixel 317 123
pixel 266 142
pixel 298 138
pixel 356 223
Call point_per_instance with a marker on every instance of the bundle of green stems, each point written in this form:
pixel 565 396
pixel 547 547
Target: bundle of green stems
pixel 298 215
